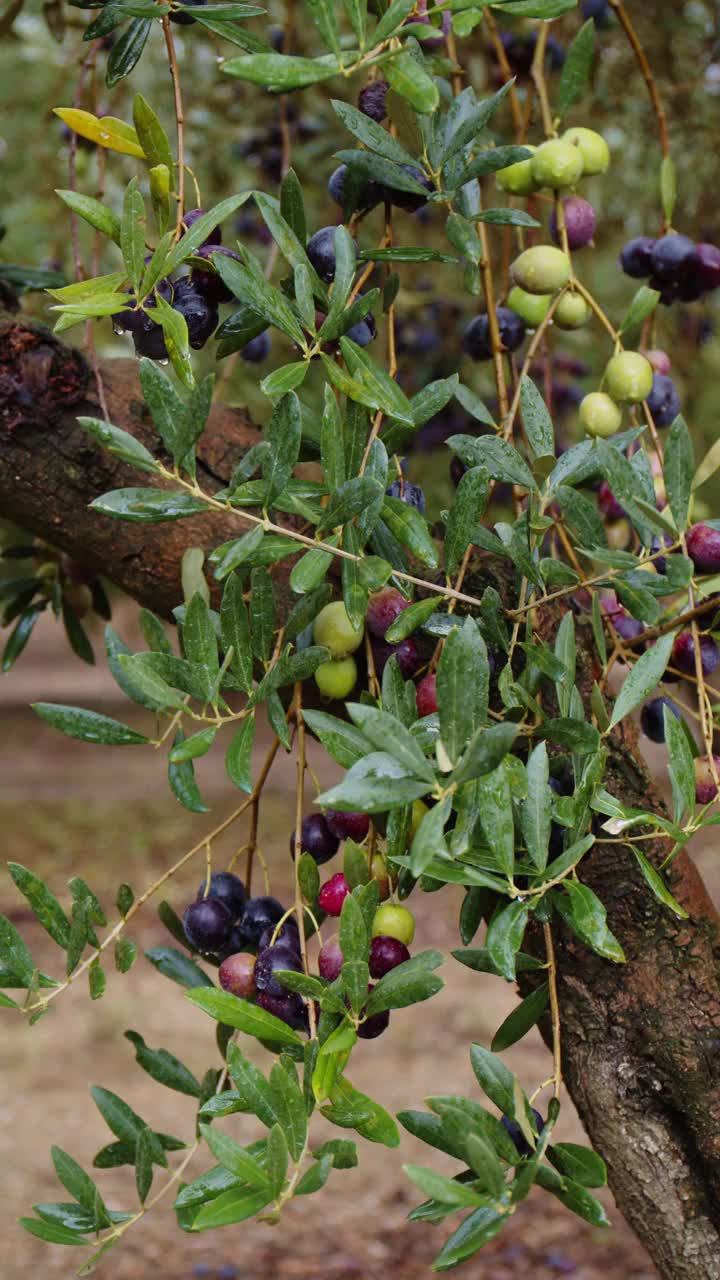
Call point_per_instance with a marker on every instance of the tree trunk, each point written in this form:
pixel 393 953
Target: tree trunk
pixel 640 1040
pixel 50 469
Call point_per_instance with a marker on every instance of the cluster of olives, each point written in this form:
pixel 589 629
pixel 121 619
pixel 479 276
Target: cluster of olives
pixel 543 270
pixel 678 268
pixel 185 297
pixel 251 939
pixel 195 297
pixel 334 629
pixel 629 380
pixel 190 296
pixel 244 935
pixel 557 164
pixel 393 925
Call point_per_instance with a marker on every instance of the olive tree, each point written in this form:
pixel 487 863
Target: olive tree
pixel 462 670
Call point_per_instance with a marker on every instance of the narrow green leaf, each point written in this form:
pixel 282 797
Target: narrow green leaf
pixel 235 1158
pixel 577 67
pixel 586 915
pixel 522 1019
pixel 376 782
pixel 236 1205
pixel 127 51
pixel 125 954
pixel 642 306
pixel 143 1163
pixel 43 903
pixel 463 679
pixel 504 937
pixel 439 1187
pixel 173 964
pixel 52 1232
pixel 372 135
pixel 245 1016
pixel 384 730
pixel 164 1067
pixel 238 757
pixel 657 885
pixel 679 466
pixel 292 206
pixel 643 678
pixel 429 839
pixel 536 810
pixel 411 81
pixel 536 419
pixel 281 73
pixel 153 138
pixel 88 726
pixel 93 212
pixel 580 1163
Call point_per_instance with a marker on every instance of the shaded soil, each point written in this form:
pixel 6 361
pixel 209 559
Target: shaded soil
pixel 68 809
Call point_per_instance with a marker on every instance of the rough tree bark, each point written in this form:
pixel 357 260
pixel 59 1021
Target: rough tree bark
pixel 640 1041
pixel 50 469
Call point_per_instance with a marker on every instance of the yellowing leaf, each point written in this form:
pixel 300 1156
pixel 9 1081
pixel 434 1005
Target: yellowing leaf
pixel 108 132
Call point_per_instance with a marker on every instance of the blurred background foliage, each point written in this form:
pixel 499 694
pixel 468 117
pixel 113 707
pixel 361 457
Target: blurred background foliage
pixel 234 142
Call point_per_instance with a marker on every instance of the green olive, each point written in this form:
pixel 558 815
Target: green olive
pixel 390 921
pixel 336 679
pixel 572 311
pixel 593 149
pixel 517 178
pixel 333 629
pixel 531 307
pixel 541 269
pixel 557 164
pixel 599 415
pixel 629 377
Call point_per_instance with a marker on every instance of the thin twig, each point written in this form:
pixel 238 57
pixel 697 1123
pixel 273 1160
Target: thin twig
pixel 554 1009
pixel 646 72
pixel 507 72
pixel 255 813
pixel 299 905
pixel 179 122
pixel 537 73
pixel 488 288
pixel 115 932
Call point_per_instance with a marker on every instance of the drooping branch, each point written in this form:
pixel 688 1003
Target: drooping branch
pixel 639 1041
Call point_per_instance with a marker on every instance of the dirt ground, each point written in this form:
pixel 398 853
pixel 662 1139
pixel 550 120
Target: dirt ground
pixel 66 808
